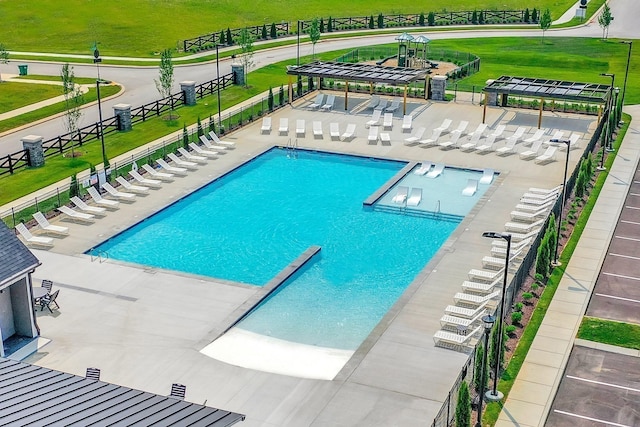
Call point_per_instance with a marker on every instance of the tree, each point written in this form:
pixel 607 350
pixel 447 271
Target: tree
pixel 463 408
pixel 534 15
pixel 264 32
pixel 73 186
pixel 246 55
pixel 274 32
pixel 281 96
pixel 431 19
pixel 542 258
pixel 371 22
pixel 185 136
pixel 164 83
pixel 4 57
pixel 200 128
pixel 493 347
pixel 604 20
pixel 212 124
pixel 321 25
pixel 552 236
pixel 527 16
pixel 73 100
pixel 545 21
pixel 474 17
pixel 229 37
pixel 222 39
pixel 270 99
pixel 481 17
pixel 380 21
pixel 314 35
pixel 477 371
pixel 421 20
pixel 330 25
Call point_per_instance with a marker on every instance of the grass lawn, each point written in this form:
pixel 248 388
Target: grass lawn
pixel 144 27
pixel 16 95
pixel 609 332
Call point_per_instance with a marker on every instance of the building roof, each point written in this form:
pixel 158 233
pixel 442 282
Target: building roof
pixel 15 257
pixel 359 72
pixel 549 89
pixel 32 395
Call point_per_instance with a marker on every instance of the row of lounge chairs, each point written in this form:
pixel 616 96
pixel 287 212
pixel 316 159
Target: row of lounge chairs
pixel 318 132
pixel 482 285
pixel 407 197
pixel 387 120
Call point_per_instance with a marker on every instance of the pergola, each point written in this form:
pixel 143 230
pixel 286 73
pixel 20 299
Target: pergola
pixel 547 89
pixel 359 72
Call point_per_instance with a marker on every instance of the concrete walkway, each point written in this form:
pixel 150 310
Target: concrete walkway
pixel 530 399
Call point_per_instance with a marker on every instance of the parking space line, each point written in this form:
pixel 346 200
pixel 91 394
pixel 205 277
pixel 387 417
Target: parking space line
pixel 634 194
pixel 621 276
pixel 609 423
pixel 630 222
pixel 620 298
pixel 631 207
pixel 605 384
pixel 624 256
pixel 627 238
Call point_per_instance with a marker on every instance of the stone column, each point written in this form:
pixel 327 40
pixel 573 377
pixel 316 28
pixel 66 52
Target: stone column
pixel 238 73
pixel 33 145
pixel 189 89
pixel 438 87
pixel 123 113
pixel 491 97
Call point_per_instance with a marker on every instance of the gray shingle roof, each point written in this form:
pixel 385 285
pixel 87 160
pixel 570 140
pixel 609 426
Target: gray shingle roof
pixel 32 395
pixel 15 257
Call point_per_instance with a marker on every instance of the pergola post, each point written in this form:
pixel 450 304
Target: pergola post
pixel 404 103
pixel 540 113
pixel 426 88
pixel 599 113
pixel 346 94
pixel 370 88
pixel 484 108
pixel 290 91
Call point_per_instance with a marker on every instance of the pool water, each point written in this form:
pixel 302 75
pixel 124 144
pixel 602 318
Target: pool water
pixel 250 224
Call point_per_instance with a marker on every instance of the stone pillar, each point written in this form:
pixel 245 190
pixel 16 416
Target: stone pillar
pixel 491 97
pixel 189 89
pixel 238 73
pixel 438 87
pixel 33 145
pixel 123 113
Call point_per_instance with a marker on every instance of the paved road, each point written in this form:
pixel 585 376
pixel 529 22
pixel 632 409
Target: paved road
pixel 140 87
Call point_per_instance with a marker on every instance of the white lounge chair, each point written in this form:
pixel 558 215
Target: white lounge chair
pixel 407 122
pixel 387 121
pixel 153 183
pixel 471 145
pixel 529 216
pixel 478 287
pixel 487 176
pixel 449 320
pixel 451 143
pixel 218 141
pixel 452 339
pixel 283 127
pixel 423 169
pixel 417 136
pixel 31 240
pixel 175 170
pixel 436 171
pixel 471 188
pixel 49 228
pixel 350 132
pixel 535 137
pixel 517 135
pixel 266 125
pixel 192 157
pixel 521 227
pixel 319 102
pixel 401 194
pixel 501 251
pixel 545 191
pixel 474 299
pixel 533 152
pixel 211 146
pixel 375 119
pixel 508 148
pixel 476 134
pixel 317 128
pixel 525 207
pixel 156 176
pixel 93 210
pixel 538 198
pixel 498 131
pixel 395 104
pixel 76 216
pixel 385 138
pixel 373 135
pixel 557 136
pixel 432 140
pixel 202 152
pixel 137 189
pixel 373 103
pixel 487 146
pixel 548 156
pixel 518 237
pixel 485 275
pixel 334 130
pixel 181 163
pixel 414 197
pixel 461 127
pixel 463 311
pixel 98 199
pixel 120 195
pixel 300 127
pixel 382 105
pixel 328 106
pixel 444 126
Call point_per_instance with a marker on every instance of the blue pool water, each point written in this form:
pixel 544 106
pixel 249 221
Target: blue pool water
pixel 250 224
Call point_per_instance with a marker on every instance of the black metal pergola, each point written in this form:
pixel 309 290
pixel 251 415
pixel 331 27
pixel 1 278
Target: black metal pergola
pixel 358 72
pixel 548 89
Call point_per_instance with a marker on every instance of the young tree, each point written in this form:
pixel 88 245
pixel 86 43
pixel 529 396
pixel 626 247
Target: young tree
pixel 246 57
pixel 321 25
pixel 545 21
pixel 421 19
pixel 185 136
pixel 481 17
pixel 477 371
pixel 380 21
pixel 222 39
pixel 431 19
pixel 281 96
pixel 270 99
pixel 200 128
pixel 371 22
pixel 274 32
pixel 463 408
pixel 314 35
pixel 474 17
pixel 164 83
pixel 534 15
pixel 264 32
pixel 604 20
pixel 527 16
pixel 73 100
pixel 229 37
pixel 4 57
pixel 330 25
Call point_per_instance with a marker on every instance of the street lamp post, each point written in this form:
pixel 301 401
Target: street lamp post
pixel 488 322
pixel 564 189
pixel 616 118
pixel 218 84
pixel 97 60
pixel 494 395
pixel 626 73
pixel 607 119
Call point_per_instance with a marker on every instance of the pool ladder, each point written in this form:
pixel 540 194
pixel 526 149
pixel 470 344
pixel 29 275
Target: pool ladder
pixel 100 256
pixel 292 144
pixel 437 211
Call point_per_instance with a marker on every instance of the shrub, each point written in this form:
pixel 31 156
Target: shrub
pixel 274 33
pixel 431 19
pixel 380 21
pixel 371 22
pixel 510 330
pixel 516 317
pixel 200 130
pixel 542 259
pixel 270 99
pixel 518 306
pixel 527 17
pixel 264 32
pixel 73 186
pixel 421 20
pixel 185 136
pixel 463 408
pixel 527 296
pixel 281 95
pixel 229 37
pixel 534 286
pixel 330 25
pixel 222 38
pixel 477 370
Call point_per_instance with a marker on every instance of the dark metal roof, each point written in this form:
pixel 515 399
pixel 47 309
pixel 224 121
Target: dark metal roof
pixel 15 257
pixel 550 89
pixel 32 395
pixel 359 72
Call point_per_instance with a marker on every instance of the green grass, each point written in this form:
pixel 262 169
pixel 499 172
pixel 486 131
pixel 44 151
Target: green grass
pixel 511 372
pixel 126 31
pixel 610 332
pixel 17 95
pixel 78 80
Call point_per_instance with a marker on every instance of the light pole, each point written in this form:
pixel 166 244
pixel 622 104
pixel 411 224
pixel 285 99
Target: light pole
pixel 626 73
pixel 488 322
pixel 495 395
pixel 97 60
pixel 218 84
pixel 615 119
pixel 607 123
pixel 564 189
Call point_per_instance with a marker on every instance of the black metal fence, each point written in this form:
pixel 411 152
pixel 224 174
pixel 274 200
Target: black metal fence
pixel 274 30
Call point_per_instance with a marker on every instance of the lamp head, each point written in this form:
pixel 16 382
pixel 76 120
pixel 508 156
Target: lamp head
pixel 496 235
pixel 488 321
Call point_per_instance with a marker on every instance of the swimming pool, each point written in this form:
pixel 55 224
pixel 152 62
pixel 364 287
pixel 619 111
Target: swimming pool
pixel 250 224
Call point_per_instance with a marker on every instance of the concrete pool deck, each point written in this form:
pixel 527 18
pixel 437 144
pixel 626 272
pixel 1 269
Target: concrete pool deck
pixel 145 328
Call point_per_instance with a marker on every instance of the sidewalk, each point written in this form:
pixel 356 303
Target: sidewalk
pixel 534 390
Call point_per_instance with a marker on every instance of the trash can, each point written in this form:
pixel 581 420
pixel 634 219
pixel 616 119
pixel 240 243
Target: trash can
pixel 23 69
